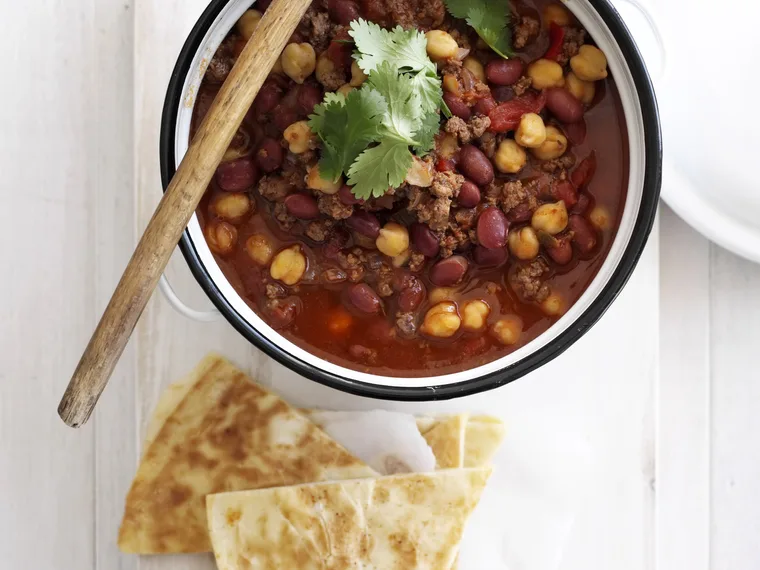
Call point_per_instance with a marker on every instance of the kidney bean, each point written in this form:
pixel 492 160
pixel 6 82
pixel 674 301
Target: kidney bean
pixel 503 94
pixel 469 195
pixel 489 257
pixel 309 96
pixel 412 296
pixel 237 175
pixel 457 107
pixel 492 228
pixel 337 240
pixel 449 271
pixel 424 240
pixel 506 117
pixel 364 223
pixel 475 165
pixel 267 99
pixel 504 71
pixel 302 206
pixel 269 155
pixel 563 105
pixel 584 235
pixel 565 191
pixel 342 12
pixel 364 298
pixel 262 5
pixel 485 105
pixel 558 249
pixel 347 197
pixel 340 49
pixel 520 213
pixel 282 117
pixel 584 172
pixel 583 204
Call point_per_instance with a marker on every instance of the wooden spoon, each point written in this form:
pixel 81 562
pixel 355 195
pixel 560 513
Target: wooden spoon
pixel 176 208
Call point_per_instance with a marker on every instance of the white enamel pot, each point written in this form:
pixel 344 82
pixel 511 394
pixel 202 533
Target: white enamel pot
pixel 640 108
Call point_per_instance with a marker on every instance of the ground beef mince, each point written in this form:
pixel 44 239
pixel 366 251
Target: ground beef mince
pixel 332 206
pixel 529 281
pixel 525 31
pixel 574 39
pixel 383 285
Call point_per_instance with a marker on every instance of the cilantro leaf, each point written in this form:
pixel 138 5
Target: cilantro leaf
pixel 379 168
pixel 346 126
pixel 489 18
pixel 431 123
pixel 429 89
pixel 403 118
pixel 406 49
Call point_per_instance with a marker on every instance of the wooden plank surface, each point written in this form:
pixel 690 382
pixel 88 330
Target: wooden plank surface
pixel 674 358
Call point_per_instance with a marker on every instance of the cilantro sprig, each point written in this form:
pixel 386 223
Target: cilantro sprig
pixel 489 18
pixel 368 134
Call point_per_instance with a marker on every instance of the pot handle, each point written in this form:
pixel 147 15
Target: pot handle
pixel 652 31
pixel 181 308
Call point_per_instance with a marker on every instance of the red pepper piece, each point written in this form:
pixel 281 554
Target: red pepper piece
pixel 583 174
pixel 506 117
pixel 445 165
pixel 556 39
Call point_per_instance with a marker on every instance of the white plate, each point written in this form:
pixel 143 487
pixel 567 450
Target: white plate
pixel 708 104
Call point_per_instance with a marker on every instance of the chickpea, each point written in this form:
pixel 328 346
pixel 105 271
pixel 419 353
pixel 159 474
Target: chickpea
pixel 508 330
pixel 402 259
pixel 393 239
pixel 532 132
pixel 440 294
pixel 298 61
pixel 345 89
pixel 475 67
pixel 474 315
pixel 584 91
pixel 590 64
pixel 600 218
pixel 510 157
pixel 550 218
pixel 440 45
pixel 232 207
pixel 556 13
pixel 259 249
pixel 288 266
pixel 299 137
pixel 523 243
pixel 358 77
pixel 450 84
pixel 221 237
pixel 442 320
pixel 315 181
pixel 553 305
pixel 553 147
pixel 324 69
pixel 546 73
pixel 247 23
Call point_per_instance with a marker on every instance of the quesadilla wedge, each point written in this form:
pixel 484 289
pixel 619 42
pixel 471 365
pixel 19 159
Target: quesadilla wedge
pixel 411 521
pixel 218 431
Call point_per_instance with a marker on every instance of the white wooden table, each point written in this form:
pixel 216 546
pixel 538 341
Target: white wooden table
pixel 665 389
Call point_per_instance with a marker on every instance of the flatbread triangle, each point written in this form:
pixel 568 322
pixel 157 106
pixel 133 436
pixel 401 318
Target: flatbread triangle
pixel 218 431
pixel 410 522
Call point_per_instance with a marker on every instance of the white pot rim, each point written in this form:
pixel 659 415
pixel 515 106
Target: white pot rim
pixel 645 172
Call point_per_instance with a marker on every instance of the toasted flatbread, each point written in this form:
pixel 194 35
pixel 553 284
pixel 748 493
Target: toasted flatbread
pixel 411 521
pixel 482 440
pixel 217 431
pixel 446 437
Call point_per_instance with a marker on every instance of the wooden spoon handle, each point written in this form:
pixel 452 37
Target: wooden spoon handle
pixel 176 208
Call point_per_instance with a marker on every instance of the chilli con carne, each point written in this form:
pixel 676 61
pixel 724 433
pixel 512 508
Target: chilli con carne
pixel 487 242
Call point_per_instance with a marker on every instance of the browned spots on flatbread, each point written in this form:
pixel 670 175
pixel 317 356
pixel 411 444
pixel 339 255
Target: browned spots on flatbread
pixel 419 490
pixel 405 549
pixel 380 495
pixel 227 434
pixel 233 516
